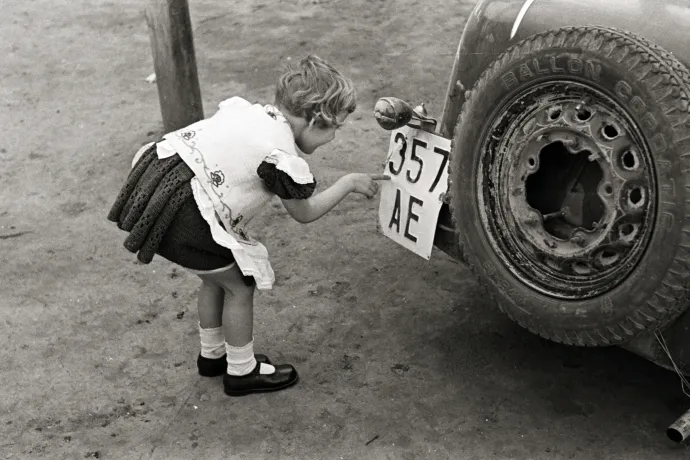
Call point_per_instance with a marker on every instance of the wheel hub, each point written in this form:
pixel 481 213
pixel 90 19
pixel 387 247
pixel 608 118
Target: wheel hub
pixel 568 190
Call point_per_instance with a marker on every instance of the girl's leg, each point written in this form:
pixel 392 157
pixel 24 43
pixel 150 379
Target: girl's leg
pixel 237 320
pixel 210 304
pixel 211 360
pixel 238 312
pixel 244 375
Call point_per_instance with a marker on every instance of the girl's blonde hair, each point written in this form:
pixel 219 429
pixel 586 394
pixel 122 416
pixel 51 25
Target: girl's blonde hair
pixel 316 92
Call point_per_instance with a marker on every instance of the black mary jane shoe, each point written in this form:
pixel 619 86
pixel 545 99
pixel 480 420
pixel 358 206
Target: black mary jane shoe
pixel 216 367
pixel 284 376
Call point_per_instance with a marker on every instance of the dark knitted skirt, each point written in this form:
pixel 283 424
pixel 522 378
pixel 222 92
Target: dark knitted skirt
pixel 188 241
pixel 190 244
pixel 157 207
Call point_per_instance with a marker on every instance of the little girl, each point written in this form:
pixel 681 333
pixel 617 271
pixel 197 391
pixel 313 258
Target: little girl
pixel 189 196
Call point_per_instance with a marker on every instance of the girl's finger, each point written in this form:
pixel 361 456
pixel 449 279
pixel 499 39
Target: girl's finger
pixel 380 177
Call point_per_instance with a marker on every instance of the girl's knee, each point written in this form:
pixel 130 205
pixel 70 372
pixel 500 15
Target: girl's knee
pixel 238 290
pixel 209 284
pixel 232 282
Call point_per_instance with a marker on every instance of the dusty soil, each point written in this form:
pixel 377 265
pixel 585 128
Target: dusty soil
pixel 400 358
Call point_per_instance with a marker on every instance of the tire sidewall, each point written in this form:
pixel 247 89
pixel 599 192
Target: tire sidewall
pixel 605 69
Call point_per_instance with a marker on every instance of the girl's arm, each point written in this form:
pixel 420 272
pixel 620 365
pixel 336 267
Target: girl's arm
pixel 313 208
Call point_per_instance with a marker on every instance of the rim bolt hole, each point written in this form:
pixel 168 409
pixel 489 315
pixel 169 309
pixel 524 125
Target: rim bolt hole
pixel 608 189
pixel 629 160
pixel 610 132
pixel 581 268
pixel 636 196
pixel 583 114
pixel 531 162
pixel 555 113
pixel 627 232
pixel 607 257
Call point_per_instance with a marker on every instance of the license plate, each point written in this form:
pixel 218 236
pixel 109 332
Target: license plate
pixel 417 163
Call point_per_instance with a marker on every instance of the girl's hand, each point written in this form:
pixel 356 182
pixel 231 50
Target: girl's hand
pixel 365 184
pixel 305 211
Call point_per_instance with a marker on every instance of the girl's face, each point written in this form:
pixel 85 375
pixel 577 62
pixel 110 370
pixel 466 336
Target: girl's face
pixel 314 136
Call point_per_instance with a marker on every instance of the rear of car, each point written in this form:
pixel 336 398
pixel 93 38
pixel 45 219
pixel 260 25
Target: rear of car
pixel 566 135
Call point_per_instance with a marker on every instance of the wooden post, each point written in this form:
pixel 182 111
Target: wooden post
pixel 174 62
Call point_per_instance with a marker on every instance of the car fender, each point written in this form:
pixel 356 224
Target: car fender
pixel 495 25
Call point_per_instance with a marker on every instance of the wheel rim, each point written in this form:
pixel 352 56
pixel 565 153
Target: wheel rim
pixel 567 191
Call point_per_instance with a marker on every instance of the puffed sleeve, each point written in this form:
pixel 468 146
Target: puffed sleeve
pixel 287 175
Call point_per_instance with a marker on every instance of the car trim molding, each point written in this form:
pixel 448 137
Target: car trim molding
pixel 521 14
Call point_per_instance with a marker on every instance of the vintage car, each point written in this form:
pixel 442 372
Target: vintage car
pixel 559 170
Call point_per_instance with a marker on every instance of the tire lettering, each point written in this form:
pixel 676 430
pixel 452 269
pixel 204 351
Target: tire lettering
pixel 502 286
pixel 554 67
pixel 623 90
pixel 638 105
pixel 551 65
pixel 509 80
pixel 538 68
pixel 685 162
pixel 667 220
pixel 650 121
pixel 664 165
pixel 658 142
pixel 525 73
pixel 575 66
pixel 671 187
pixel 593 71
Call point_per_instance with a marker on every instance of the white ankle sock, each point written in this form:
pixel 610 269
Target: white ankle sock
pixel 212 342
pixel 241 360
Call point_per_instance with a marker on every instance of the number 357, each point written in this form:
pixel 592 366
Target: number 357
pixel 416 143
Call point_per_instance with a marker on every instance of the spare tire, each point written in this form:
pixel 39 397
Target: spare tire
pixel 569 185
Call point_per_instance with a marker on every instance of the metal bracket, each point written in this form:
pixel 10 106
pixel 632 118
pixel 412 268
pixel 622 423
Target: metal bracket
pixel 421 120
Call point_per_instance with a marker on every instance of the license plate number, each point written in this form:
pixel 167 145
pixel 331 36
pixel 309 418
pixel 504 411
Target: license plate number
pixel 417 163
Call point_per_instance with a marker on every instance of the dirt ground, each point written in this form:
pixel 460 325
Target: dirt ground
pixel 399 358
